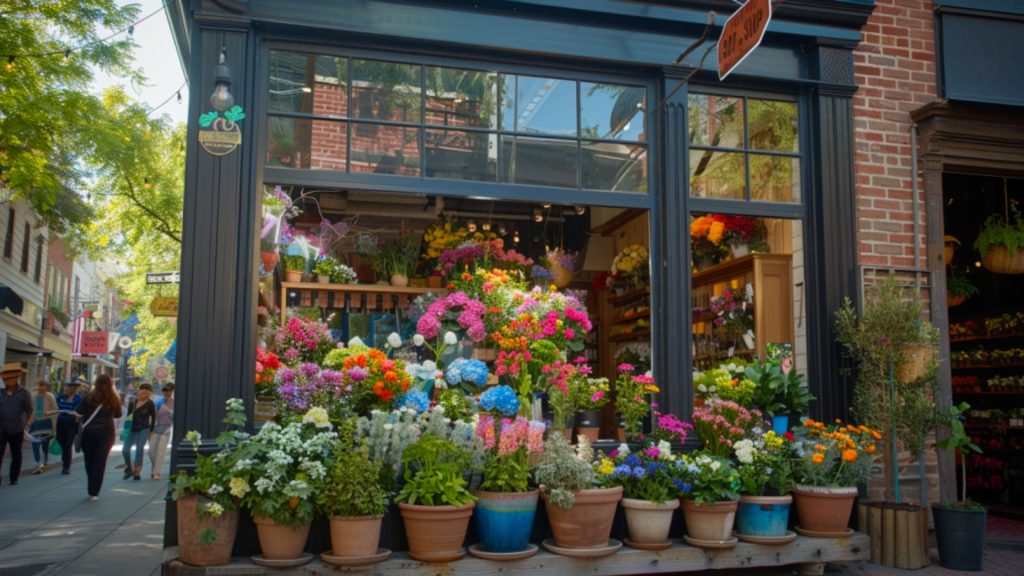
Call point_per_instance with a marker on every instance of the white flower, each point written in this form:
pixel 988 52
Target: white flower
pixel 355 341
pixel 664 450
pixel 214 509
pixel 623 449
pixel 239 487
pixel 394 340
pixel 193 437
pixel 744 451
pixel 214 490
pixel 417 340
pixel 715 465
pixel 702 388
pixel 450 339
pixel 318 417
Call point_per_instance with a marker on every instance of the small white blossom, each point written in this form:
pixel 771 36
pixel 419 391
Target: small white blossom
pixel 355 341
pixel 214 490
pixel 664 450
pixel 417 340
pixel 450 338
pixel 623 449
pixel 394 340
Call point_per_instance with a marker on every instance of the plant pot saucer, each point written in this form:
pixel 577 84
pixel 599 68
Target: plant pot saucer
pixel 438 556
pixel 347 561
pixel 479 551
pixel 776 540
pixel 824 534
pixel 647 545
pixel 702 543
pixel 600 552
pixel 260 560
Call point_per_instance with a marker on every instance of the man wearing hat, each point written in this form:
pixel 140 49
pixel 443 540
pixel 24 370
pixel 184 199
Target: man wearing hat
pixel 15 414
pixel 67 424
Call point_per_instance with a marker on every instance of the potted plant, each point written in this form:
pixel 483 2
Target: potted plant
pixel 763 513
pixel 355 500
pixel 710 506
pixel 830 461
pixel 560 265
pixel 589 396
pixel 960 526
pixel 325 268
pixel 294 266
pixel 780 390
pixel 505 502
pixel 632 263
pixel 579 512
pixel 651 485
pixel 633 398
pixel 397 260
pixel 1001 241
pixel 959 289
pixel 208 497
pixel 286 472
pixel 722 423
pixel 435 502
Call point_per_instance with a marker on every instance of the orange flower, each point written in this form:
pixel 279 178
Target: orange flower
pixel 870 449
pixel 818 458
pixel 716 232
pixel 293 502
pixel 849 455
pixel 820 447
pixel 700 226
pixel 876 435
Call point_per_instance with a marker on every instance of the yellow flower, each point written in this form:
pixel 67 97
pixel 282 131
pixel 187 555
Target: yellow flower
pixel 606 467
pixel 239 487
pixel 318 417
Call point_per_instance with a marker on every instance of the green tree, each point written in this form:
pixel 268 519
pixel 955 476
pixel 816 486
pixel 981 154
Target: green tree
pixel 48 51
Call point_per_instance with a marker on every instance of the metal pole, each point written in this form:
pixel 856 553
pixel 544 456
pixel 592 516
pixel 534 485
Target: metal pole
pixel 892 433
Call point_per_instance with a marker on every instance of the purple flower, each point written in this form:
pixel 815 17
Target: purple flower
pixel 308 369
pixel 357 373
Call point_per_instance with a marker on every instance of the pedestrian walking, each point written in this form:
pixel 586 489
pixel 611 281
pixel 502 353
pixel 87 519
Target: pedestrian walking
pixel 143 416
pixel 15 414
pixel 161 435
pixel 98 410
pixel 44 424
pixel 67 424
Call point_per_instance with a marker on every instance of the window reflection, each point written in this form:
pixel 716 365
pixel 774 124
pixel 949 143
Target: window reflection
pixel 461 155
pixel 545 106
pixel 717 174
pixel 539 161
pixel 612 111
pixel 774 178
pixel 287 80
pixel 386 90
pixel 716 120
pixel 461 98
pixel 613 166
pixel 772 125
pixel 383 149
pixel 306 143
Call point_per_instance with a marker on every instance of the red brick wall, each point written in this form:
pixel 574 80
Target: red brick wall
pixel 895 70
pixel 57 255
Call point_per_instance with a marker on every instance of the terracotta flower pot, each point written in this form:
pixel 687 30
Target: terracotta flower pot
pixel 560 275
pixel 434 281
pixel 323 279
pixel 293 276
pixel 824 509
pixel 436 533
pixel 710 521
pixel 399 280
pixel 648 521
pixel 190 527
pixel 355 536
pixel 588 524
pixel 269 260
pixel 279 542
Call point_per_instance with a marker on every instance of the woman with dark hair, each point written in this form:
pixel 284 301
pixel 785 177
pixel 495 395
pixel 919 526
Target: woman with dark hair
pixel 97 413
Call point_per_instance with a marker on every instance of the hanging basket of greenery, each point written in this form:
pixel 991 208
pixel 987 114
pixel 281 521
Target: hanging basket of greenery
pixel 959 289
pixel 1001 241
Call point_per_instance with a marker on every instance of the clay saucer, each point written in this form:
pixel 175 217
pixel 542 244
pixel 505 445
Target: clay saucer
pixel 290 563
pixel 439 557
pixel 612 547
pixel 647 545
pixel 819 534
pixel 346 561
pixel 479 551
pixel 776 540
pixel 702 543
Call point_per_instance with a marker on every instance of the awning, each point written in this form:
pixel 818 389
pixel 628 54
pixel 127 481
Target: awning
pixel 19 346
pixel 93 360
pixel 9 299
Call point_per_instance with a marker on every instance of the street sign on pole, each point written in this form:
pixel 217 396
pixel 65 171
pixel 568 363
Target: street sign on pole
pixel 742 33
pixel 163 277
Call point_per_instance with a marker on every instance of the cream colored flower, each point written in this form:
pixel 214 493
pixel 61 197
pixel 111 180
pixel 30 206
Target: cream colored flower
pixel 238 487
pixel 318 417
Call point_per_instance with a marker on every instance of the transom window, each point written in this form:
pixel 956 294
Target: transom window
pixel 350 114
pixel 744 148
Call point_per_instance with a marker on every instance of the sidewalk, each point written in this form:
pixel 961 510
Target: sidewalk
pixel 48 526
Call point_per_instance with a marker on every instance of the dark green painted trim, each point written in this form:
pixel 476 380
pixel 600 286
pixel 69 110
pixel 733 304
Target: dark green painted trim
pixel 982 6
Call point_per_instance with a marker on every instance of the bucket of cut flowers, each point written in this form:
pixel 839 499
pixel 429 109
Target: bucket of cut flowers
pixel 764 468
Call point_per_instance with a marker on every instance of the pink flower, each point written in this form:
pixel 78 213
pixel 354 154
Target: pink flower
pixel 535 438
pixel 625 367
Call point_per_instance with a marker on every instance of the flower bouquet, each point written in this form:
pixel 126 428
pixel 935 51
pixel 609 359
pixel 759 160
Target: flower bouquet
pixel 722 423
pixel 733 312
pixel 303 340
pixel 706 246
pixel 633 263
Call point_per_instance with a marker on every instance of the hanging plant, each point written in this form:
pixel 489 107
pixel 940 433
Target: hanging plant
pixel 1001 241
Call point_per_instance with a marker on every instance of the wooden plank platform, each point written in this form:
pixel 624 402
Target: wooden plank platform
pixel 810 553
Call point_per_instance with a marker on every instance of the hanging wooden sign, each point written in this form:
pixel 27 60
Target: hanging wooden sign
pixel 219 134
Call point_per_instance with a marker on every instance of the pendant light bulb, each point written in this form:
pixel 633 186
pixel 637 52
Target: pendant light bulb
pixel 221 99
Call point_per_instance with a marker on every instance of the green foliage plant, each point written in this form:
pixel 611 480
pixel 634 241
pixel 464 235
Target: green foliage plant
pixel 434 473
pixel 1006 230
pixel 778 392
pixel 356 485
pixel 294 263
pixel 960 286
pixel 399 257
pixel 564 470
pixel 711 478
pixel 959 440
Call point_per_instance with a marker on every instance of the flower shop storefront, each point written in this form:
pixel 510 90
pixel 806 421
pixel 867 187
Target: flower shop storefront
pixel 454 239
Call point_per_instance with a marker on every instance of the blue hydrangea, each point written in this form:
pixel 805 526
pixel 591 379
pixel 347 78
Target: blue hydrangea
pixel 467 370
pixel 500 399
pixel 415 399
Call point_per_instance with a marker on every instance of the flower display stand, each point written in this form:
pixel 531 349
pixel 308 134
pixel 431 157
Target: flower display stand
pixel 898 533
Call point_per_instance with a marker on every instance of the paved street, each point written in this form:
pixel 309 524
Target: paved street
pixel 49 526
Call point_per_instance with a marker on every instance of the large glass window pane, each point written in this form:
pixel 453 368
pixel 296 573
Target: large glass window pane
pixel 539 161
pixel 614 166
pixel 330 86
pixel 288 74
pixel 306 143
pixel 461 97
pixel 772 125
pixel 507 101
pixel 717 174
pixel 774 178
pixel 716 120
pixel 384 149
pixel 461 155
pixel 545 106
pixel 612 111
pixel 301 82
pixel 386 90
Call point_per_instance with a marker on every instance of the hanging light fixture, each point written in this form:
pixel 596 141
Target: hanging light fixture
pixel 538 216
pixel 471 226
pixel 221 99
pixel 515 237
pixel 486 226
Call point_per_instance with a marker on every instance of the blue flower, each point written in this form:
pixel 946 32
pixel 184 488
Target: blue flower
pixel 684 487
pixel 655 467
pixel 500 399
pixel 415 399
pixel 453 374
pixel 632 461
pixel 475 371
pixel 639 472
pixel 621 470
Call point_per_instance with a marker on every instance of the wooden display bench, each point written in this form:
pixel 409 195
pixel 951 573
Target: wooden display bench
pixel 809 555
pixel 351 297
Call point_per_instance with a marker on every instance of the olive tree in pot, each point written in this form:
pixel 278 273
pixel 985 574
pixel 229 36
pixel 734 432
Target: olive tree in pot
pixel 960 526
